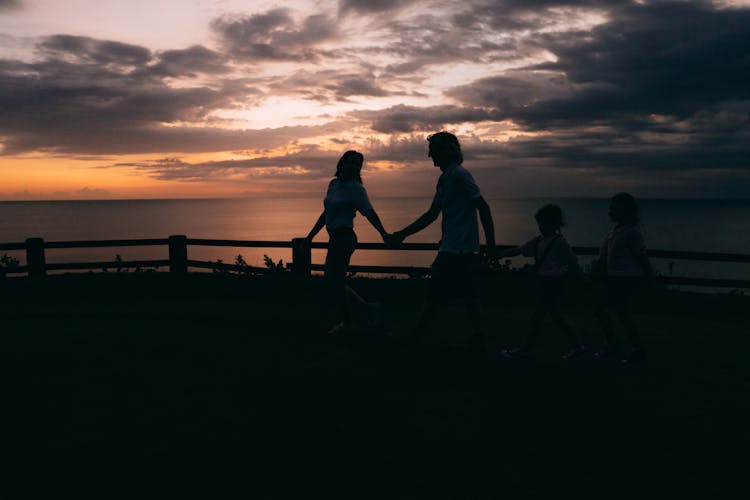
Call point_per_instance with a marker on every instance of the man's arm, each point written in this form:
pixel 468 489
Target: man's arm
pixel 485 216
pixel 422 222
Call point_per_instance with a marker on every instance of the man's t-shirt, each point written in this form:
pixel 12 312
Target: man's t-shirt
pixel 455 195
pixel 342 201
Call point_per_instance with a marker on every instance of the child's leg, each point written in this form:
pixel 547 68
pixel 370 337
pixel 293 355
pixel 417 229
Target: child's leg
pixel 563 325
pixel 607 328
pixel 623 311
pixel 537 317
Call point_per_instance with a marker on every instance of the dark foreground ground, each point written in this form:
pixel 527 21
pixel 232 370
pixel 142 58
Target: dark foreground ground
pixel 227 382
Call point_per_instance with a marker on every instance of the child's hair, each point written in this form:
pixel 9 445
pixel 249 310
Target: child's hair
pixel 551 215
pixel 629 207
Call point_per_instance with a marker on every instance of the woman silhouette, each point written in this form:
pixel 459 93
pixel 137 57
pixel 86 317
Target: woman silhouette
pixel 345 197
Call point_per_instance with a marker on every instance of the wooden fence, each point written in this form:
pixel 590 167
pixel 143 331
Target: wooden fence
pixel 301 264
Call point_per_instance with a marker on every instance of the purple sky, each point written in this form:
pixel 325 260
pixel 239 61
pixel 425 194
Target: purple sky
pixel 169 98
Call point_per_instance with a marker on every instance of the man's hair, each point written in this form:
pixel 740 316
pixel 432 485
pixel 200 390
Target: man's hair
pixel 446 145
pixel 341 174
pixel 550 214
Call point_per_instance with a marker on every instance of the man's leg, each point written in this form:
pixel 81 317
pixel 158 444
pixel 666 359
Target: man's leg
pixel 426 313
pixel 474 312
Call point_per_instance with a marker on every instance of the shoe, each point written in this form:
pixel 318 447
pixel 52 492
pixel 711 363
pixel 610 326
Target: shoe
pixel 637 356
pixel 337 329
pixel 603 354
pixel 516 353
pixel 574 352
pixel 375 319
pixel 476 343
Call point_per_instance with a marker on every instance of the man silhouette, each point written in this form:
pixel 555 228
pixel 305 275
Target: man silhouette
pixel 458 199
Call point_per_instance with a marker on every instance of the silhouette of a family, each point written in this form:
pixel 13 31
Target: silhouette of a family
pixel 622 265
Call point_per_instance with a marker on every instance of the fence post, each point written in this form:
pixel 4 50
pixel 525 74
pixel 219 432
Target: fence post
pixel 178 254
pixel 301 257
pixel 35 259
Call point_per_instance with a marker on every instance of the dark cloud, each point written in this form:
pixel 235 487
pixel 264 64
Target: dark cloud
pixel 402 118
pixel 274 36
pixel 673 58
pixel 333 85
pixel 10 4
pixel 85 49
pixel 660 86
pixel 368 6
pixel 190 62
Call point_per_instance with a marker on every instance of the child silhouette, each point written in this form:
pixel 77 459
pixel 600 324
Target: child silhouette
pixel 553 258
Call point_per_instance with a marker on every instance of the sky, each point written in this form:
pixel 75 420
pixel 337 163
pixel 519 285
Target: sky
pixel 105 99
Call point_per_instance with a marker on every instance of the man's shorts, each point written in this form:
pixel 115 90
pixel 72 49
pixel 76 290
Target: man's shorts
pixel 454 276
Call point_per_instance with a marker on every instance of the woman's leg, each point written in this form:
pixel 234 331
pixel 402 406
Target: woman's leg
pixel 340 247
pixel 623 311
pixel 600 310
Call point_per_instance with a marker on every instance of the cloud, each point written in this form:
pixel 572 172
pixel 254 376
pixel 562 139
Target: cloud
pixel 660 86
pixel 90 50
pixel 368 6
pixel 402 118
pixel 333 85
pixel 311 162
pixel 89 96
pixel 10 4
pixel 274 36
pixel 190 62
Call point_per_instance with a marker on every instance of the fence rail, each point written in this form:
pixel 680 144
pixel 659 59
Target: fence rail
pixel 301 263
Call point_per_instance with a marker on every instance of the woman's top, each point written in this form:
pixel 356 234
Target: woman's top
pixel 552 255
pixel 342 201
pixel 621 248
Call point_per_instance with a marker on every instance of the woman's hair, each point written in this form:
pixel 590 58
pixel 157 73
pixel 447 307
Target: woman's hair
pixel 445 145
pixel 629 208
pixel 551 215
pixel 344 174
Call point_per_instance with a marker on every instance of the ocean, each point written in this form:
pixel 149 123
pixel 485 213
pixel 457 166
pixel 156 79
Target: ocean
pixel 708 225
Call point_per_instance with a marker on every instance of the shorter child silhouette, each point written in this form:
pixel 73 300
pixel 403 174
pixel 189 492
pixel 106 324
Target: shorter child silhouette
pixel 553 259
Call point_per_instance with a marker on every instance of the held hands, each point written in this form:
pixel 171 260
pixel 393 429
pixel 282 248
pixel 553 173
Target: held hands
pixel 490 256
pixel 394 239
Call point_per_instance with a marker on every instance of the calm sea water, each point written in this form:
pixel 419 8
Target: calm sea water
pixel 698 225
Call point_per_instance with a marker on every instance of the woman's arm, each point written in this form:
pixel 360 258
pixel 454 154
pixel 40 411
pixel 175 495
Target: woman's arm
pixel 318 226
pixel 372 216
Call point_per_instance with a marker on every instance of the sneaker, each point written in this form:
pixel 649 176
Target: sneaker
pixel 603 354
pixel 476 343
pixel 337 329
pixel 375 317
pixel 574 352
pixel 637 356
pixel 516 353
